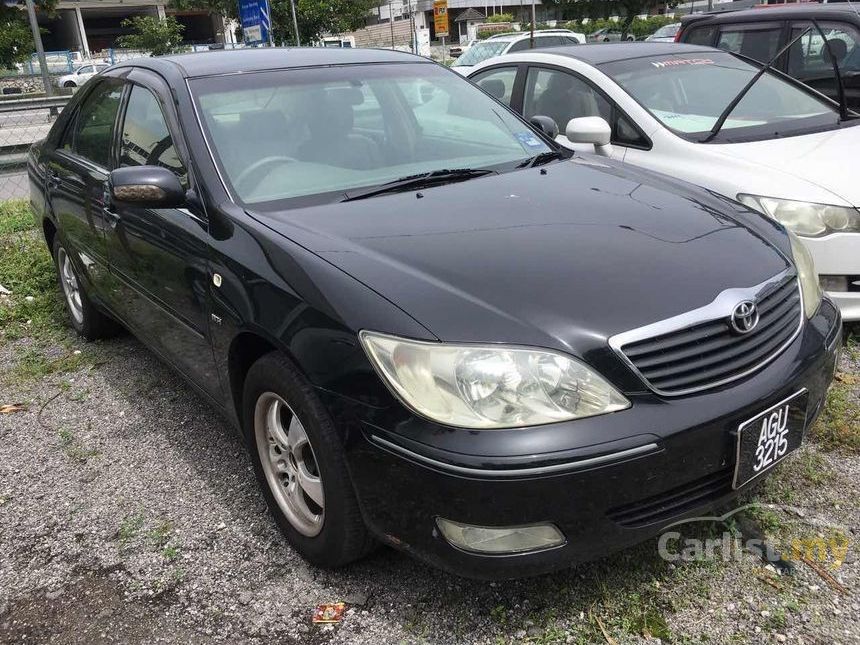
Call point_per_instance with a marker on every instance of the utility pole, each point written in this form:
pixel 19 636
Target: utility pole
pixel 40 51
pixel 532 36
pixel 391 22
pixel 295 22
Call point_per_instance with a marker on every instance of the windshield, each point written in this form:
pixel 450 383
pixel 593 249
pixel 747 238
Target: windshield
pixel 688 92
pixel 667 31
pixel 320 132
pixel 479 52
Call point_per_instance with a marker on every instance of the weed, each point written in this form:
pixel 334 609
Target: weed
pixel 129 528
pixel 838 427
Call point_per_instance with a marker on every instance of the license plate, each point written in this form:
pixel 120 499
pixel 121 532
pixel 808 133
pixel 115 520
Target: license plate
pixel 769 437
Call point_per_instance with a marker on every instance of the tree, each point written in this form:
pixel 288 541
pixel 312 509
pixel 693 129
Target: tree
pixel 155 35
pixel 597 9
pixel 16 39
pixel 318 17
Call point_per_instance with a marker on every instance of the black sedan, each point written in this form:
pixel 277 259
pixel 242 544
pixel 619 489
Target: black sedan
pixel 433 327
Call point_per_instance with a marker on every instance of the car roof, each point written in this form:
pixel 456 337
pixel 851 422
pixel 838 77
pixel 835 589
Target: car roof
pixel 232 61
pixel 767 13
pixel 512 37
pixel 599 53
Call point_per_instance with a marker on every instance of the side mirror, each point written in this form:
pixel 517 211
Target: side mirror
pixel 545 124
pixel 146 187
pixel 590 129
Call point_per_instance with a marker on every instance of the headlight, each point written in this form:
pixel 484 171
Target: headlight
pixel 805 218
pixel 489 386
pixel 809 288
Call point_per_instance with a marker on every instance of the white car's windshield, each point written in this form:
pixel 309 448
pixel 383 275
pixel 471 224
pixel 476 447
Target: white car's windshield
pixel 318 133
pixel 688 92
pixel 667 31
pixel 479 52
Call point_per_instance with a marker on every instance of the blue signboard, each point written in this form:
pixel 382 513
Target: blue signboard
pixel 255 17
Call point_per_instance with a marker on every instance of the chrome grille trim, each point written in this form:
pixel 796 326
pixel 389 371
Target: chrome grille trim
pixel 717 311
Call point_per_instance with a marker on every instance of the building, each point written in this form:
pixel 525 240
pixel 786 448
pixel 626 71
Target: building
pixel 93 26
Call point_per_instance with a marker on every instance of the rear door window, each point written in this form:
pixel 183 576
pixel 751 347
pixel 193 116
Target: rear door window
pixel 809 59
pixel 700 35
pixel 759 41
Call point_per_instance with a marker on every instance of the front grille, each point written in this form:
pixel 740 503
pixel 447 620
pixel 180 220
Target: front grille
pixel 709 353
pixel 674 502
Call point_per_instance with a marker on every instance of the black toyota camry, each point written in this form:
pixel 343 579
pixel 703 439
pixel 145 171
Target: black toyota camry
pixel 434 328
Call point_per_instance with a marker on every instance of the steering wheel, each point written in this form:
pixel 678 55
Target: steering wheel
pixel 255 167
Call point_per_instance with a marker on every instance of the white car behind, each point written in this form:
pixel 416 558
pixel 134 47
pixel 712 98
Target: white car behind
pixel 512 43
pixel 783 150
pixel 81 75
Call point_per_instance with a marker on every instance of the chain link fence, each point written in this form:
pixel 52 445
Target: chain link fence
pixel 23 121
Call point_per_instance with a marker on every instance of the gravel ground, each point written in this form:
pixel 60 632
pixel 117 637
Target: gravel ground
pixel 129 513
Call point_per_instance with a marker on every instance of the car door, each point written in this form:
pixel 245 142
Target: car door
pixel 810 61
pixel 77 169
pixel 563 95
pixel 159 257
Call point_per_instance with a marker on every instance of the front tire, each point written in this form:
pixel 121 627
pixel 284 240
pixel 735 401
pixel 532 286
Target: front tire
pixel 88 321
pixel 70 84
pixel 300 465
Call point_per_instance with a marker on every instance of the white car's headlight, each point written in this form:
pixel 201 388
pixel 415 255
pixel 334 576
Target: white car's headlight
pixel 489 386
pixel 806 274
pixel 805 218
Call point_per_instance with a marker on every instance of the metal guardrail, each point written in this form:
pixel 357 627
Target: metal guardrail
pixel 42 103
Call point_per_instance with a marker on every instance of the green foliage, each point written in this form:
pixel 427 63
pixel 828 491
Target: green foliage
pixel 16 40
pixel 639 27
pixel 318 17
pixel 156 35
pixel 596 10
pixel 501 17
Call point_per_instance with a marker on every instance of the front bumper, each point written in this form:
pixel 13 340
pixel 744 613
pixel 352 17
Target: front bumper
pixel 838 254
pixel 668 459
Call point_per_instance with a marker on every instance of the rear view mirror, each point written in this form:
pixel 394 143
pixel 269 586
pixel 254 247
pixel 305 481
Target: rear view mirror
pixel 545 124
pixel 146 187
pixel 590 129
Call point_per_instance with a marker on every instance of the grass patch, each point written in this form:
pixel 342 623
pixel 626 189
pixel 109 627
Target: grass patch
pixel 35 307
pixel 838 427
pixel 15 215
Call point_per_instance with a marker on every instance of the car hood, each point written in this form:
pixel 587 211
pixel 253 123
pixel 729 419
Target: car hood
pixel 819 158
pixel 570 253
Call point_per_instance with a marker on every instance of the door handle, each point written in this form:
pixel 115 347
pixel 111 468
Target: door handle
pixel 112 218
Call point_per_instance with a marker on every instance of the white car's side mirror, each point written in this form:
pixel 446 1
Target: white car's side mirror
pixel 590 129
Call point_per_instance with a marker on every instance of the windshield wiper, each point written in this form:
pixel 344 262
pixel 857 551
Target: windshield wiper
pixel 746 88
pixel 543 157
pixel 421 180
pixel 840 86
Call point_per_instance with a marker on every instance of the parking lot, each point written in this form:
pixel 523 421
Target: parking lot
pixel 129 513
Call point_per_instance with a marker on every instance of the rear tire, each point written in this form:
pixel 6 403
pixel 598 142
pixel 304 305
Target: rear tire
pixel 87 320
pixel 300 465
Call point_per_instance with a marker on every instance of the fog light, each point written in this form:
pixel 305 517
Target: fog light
pixel 833 282
pixel 502 539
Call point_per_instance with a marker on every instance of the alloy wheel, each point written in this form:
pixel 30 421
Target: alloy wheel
pixel 289 464
pixel 71 288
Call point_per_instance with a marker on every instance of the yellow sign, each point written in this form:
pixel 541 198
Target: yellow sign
pixel 440 17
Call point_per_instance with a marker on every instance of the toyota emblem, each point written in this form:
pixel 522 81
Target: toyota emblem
pixel 744 317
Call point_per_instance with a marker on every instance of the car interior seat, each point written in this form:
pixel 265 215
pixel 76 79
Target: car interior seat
pixel 332 137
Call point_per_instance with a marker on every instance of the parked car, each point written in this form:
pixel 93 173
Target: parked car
pixel 761 33
pixel 498 390
pixel 81 75
pixel 455 51
pixel 607 35
pixel 665 34
pixel 509 43
pixel 782 150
